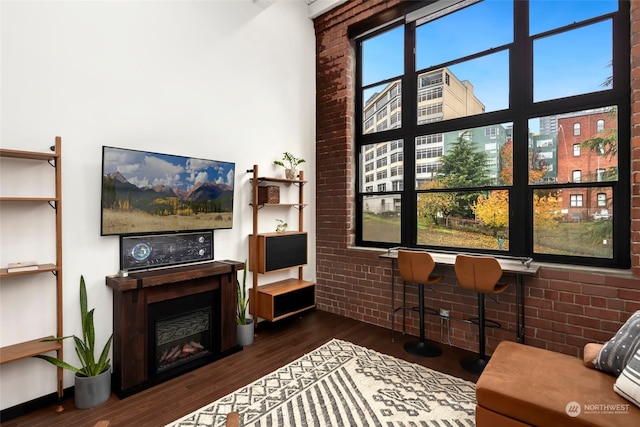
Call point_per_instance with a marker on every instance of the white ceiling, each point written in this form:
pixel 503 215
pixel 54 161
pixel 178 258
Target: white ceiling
pixel 316 7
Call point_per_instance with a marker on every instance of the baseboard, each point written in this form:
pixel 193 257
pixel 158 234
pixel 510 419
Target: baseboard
pixel 33 405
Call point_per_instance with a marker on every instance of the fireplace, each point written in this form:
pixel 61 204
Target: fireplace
pixel 171 321
pixel 183 332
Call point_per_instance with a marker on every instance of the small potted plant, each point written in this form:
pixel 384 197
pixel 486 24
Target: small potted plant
pixel 289 162
pixel 281 227
pixel 93 379
pixel 245 324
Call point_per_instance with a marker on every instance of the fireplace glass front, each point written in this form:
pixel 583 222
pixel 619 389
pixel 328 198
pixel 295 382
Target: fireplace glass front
pixel 183 331
pixel 182 339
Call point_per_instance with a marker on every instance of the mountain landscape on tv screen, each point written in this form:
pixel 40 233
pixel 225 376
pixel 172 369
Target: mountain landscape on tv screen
pixel 204 197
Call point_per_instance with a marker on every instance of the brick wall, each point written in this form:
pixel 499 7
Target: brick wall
pixel 565 307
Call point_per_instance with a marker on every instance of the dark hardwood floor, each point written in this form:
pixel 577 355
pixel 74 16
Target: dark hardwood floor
pixel 275 345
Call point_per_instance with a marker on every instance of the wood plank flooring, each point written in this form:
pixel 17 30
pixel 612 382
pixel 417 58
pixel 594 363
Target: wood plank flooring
pixel 275 345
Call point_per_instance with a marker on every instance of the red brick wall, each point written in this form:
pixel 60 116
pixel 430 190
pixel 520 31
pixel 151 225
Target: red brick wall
pixel 565 307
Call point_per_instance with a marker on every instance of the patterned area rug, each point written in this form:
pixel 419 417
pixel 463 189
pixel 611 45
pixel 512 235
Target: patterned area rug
pixel 342 384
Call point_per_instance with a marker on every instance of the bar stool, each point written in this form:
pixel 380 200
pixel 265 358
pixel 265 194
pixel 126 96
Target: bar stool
pixel 416 267
pixel 479 274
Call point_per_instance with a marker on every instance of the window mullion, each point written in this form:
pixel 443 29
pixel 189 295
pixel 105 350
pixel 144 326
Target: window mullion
pixel 521 96
pixel 409 226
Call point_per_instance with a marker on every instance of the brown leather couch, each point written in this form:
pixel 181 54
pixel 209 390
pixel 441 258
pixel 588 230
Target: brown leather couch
pixel 528 386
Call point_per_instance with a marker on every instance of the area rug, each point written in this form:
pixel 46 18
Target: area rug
pixel 342 384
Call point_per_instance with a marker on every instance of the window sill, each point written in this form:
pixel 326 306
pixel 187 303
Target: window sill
pixel 613 272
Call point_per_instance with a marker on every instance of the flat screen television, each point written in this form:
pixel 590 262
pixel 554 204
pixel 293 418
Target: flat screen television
pixel 145 192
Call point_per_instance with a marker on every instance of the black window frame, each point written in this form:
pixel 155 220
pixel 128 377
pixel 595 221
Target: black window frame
pixel 521 108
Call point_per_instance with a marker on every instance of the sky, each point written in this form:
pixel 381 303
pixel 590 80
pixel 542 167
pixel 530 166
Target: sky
pixel 566 64
pixel 145 169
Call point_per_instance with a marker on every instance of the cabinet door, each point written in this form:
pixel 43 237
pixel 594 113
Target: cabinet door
pixel 278 251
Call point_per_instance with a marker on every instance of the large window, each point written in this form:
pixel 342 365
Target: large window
pixel 514 139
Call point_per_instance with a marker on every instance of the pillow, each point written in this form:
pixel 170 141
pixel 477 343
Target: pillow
pixel 590 353
pixel 628 383
pixel 616 352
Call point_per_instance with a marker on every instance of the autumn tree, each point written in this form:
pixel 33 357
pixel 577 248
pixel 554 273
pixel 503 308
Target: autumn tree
pixel 506 163
pixel 493 211
pixel 435 204
pixel 538 166
pixel 546 211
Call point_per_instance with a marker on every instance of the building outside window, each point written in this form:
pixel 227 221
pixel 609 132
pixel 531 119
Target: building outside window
pixel 492 149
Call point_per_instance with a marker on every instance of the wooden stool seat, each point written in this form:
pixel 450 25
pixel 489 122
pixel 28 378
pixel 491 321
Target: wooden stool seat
pixel 416 267
pixel 479 274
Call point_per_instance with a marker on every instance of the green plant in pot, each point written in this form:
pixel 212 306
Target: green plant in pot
pixel 245 324
pixel 91 371
pixel 289 162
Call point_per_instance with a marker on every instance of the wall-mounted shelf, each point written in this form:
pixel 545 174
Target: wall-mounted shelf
pixel 279 251
pixel 25 349
pixel 42 268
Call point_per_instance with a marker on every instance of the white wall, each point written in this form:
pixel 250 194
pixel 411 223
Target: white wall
pixel 226 80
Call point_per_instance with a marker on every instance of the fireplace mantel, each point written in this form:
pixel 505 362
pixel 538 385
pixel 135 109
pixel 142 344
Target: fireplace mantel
pixel 131 298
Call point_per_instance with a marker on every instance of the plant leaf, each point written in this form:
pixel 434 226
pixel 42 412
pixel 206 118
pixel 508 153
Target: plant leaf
pixel 59 363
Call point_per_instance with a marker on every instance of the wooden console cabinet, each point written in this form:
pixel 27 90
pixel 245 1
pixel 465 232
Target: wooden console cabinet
pixel 132 296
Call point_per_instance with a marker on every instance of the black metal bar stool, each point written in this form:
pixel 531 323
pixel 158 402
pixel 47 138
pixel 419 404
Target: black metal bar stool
pixel 479 274
pixel 416 267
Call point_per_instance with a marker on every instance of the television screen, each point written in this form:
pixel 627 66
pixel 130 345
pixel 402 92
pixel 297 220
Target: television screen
pixel 144 192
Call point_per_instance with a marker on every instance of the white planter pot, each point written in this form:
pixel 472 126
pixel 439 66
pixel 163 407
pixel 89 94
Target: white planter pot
pixel 245 333
pixel 290 173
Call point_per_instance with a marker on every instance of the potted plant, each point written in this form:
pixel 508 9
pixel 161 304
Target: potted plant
pixel 289 163
pixel 93 379
pixel 281 227
pixel 245 324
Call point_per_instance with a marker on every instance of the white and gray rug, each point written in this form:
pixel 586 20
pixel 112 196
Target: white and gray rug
pixel 342 384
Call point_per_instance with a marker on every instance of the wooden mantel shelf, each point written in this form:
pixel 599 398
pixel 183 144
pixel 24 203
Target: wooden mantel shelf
pixel 146 279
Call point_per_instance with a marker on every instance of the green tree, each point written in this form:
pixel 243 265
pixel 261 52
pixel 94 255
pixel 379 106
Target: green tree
pixel 605 143
pixel 108 192
pixel 464 166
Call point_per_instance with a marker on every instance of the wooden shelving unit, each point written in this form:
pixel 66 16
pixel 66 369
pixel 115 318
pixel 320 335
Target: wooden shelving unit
pixel 271 251
pixel 23 350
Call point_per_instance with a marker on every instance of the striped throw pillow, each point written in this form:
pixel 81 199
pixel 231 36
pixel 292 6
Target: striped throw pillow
pixel 628 383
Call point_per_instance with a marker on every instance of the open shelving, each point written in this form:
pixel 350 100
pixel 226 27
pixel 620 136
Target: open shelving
pixel 29 348
pixel 279 251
